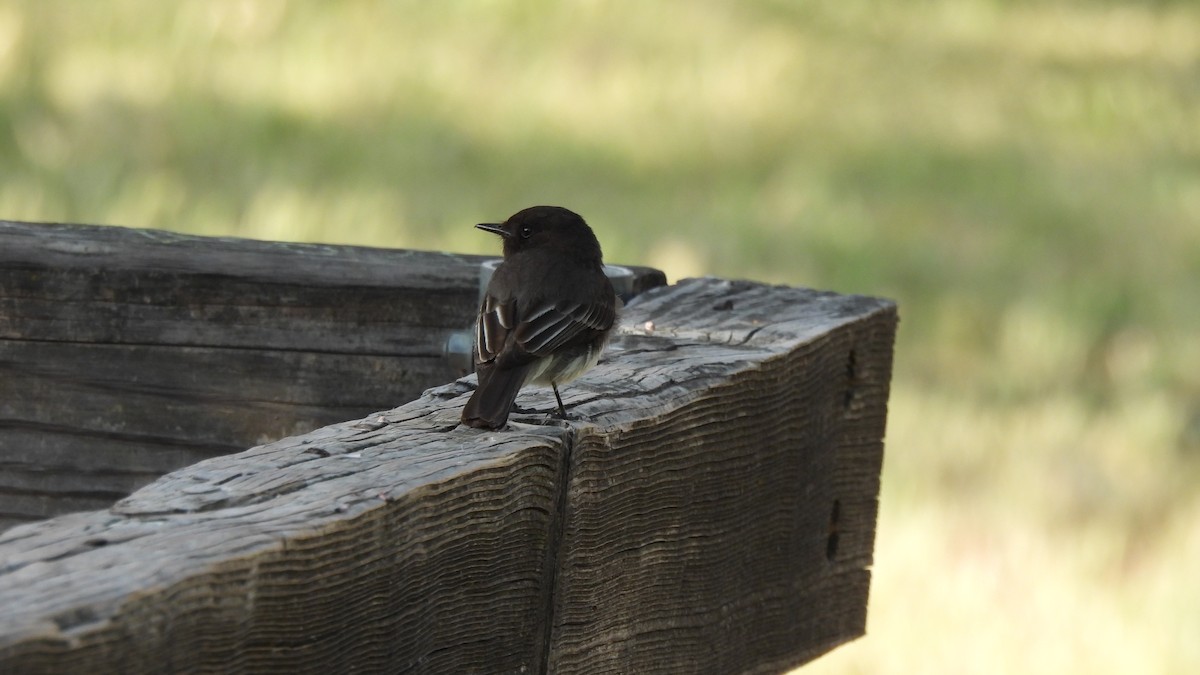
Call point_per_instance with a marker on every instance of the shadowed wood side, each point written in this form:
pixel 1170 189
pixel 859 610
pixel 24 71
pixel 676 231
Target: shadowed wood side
pixel 127 353
pixel 680 523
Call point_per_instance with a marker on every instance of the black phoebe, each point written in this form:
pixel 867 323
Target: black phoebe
pixel 546 315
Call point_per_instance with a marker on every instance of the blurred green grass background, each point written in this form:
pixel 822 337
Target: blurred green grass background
pixel 1022 176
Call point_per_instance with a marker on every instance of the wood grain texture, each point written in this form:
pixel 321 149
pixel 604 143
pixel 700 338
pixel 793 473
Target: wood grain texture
pixel 127 353
pixel 684 521
pixel 731 525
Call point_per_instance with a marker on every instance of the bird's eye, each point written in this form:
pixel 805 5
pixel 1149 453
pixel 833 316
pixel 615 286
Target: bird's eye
pixel 526 231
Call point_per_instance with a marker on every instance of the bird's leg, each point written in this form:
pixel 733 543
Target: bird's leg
pixel 549 419
pixel 561 410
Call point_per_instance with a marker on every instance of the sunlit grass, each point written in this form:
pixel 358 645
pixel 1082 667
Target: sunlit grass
pixel 1034 539
pixel 1024 177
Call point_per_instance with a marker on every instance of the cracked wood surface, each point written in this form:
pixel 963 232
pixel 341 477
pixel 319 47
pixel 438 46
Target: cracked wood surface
pixel 711 508
pixel 127 353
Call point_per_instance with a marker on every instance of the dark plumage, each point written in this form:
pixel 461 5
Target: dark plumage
pixel 547 313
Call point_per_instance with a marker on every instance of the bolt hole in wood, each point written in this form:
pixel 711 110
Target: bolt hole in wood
pixel 851 378
pixel 831 541
pixel 75 617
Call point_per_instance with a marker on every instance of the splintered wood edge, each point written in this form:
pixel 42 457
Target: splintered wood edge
pixel 87 566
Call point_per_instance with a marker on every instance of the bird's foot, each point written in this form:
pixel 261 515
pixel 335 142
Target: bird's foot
pixel 543 419
pixel 553 420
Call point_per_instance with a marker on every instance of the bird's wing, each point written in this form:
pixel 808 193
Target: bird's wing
pixel 548 327
pixel 496 320
pixel 540 331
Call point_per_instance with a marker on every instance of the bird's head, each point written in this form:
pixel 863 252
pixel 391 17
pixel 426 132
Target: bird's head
pixel 549 227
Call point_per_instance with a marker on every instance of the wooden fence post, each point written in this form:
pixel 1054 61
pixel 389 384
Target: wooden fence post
pixel 710 509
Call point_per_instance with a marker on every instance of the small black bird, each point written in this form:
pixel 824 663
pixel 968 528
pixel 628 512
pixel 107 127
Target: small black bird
pixel 547 313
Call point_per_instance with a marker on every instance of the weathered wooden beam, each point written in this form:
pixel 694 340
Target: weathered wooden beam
pixel 710 509
pixel 126 353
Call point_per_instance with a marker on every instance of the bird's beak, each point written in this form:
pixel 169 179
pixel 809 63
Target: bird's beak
pixel 494 228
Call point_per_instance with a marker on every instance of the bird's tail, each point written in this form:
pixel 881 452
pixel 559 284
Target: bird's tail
pixel 494 397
